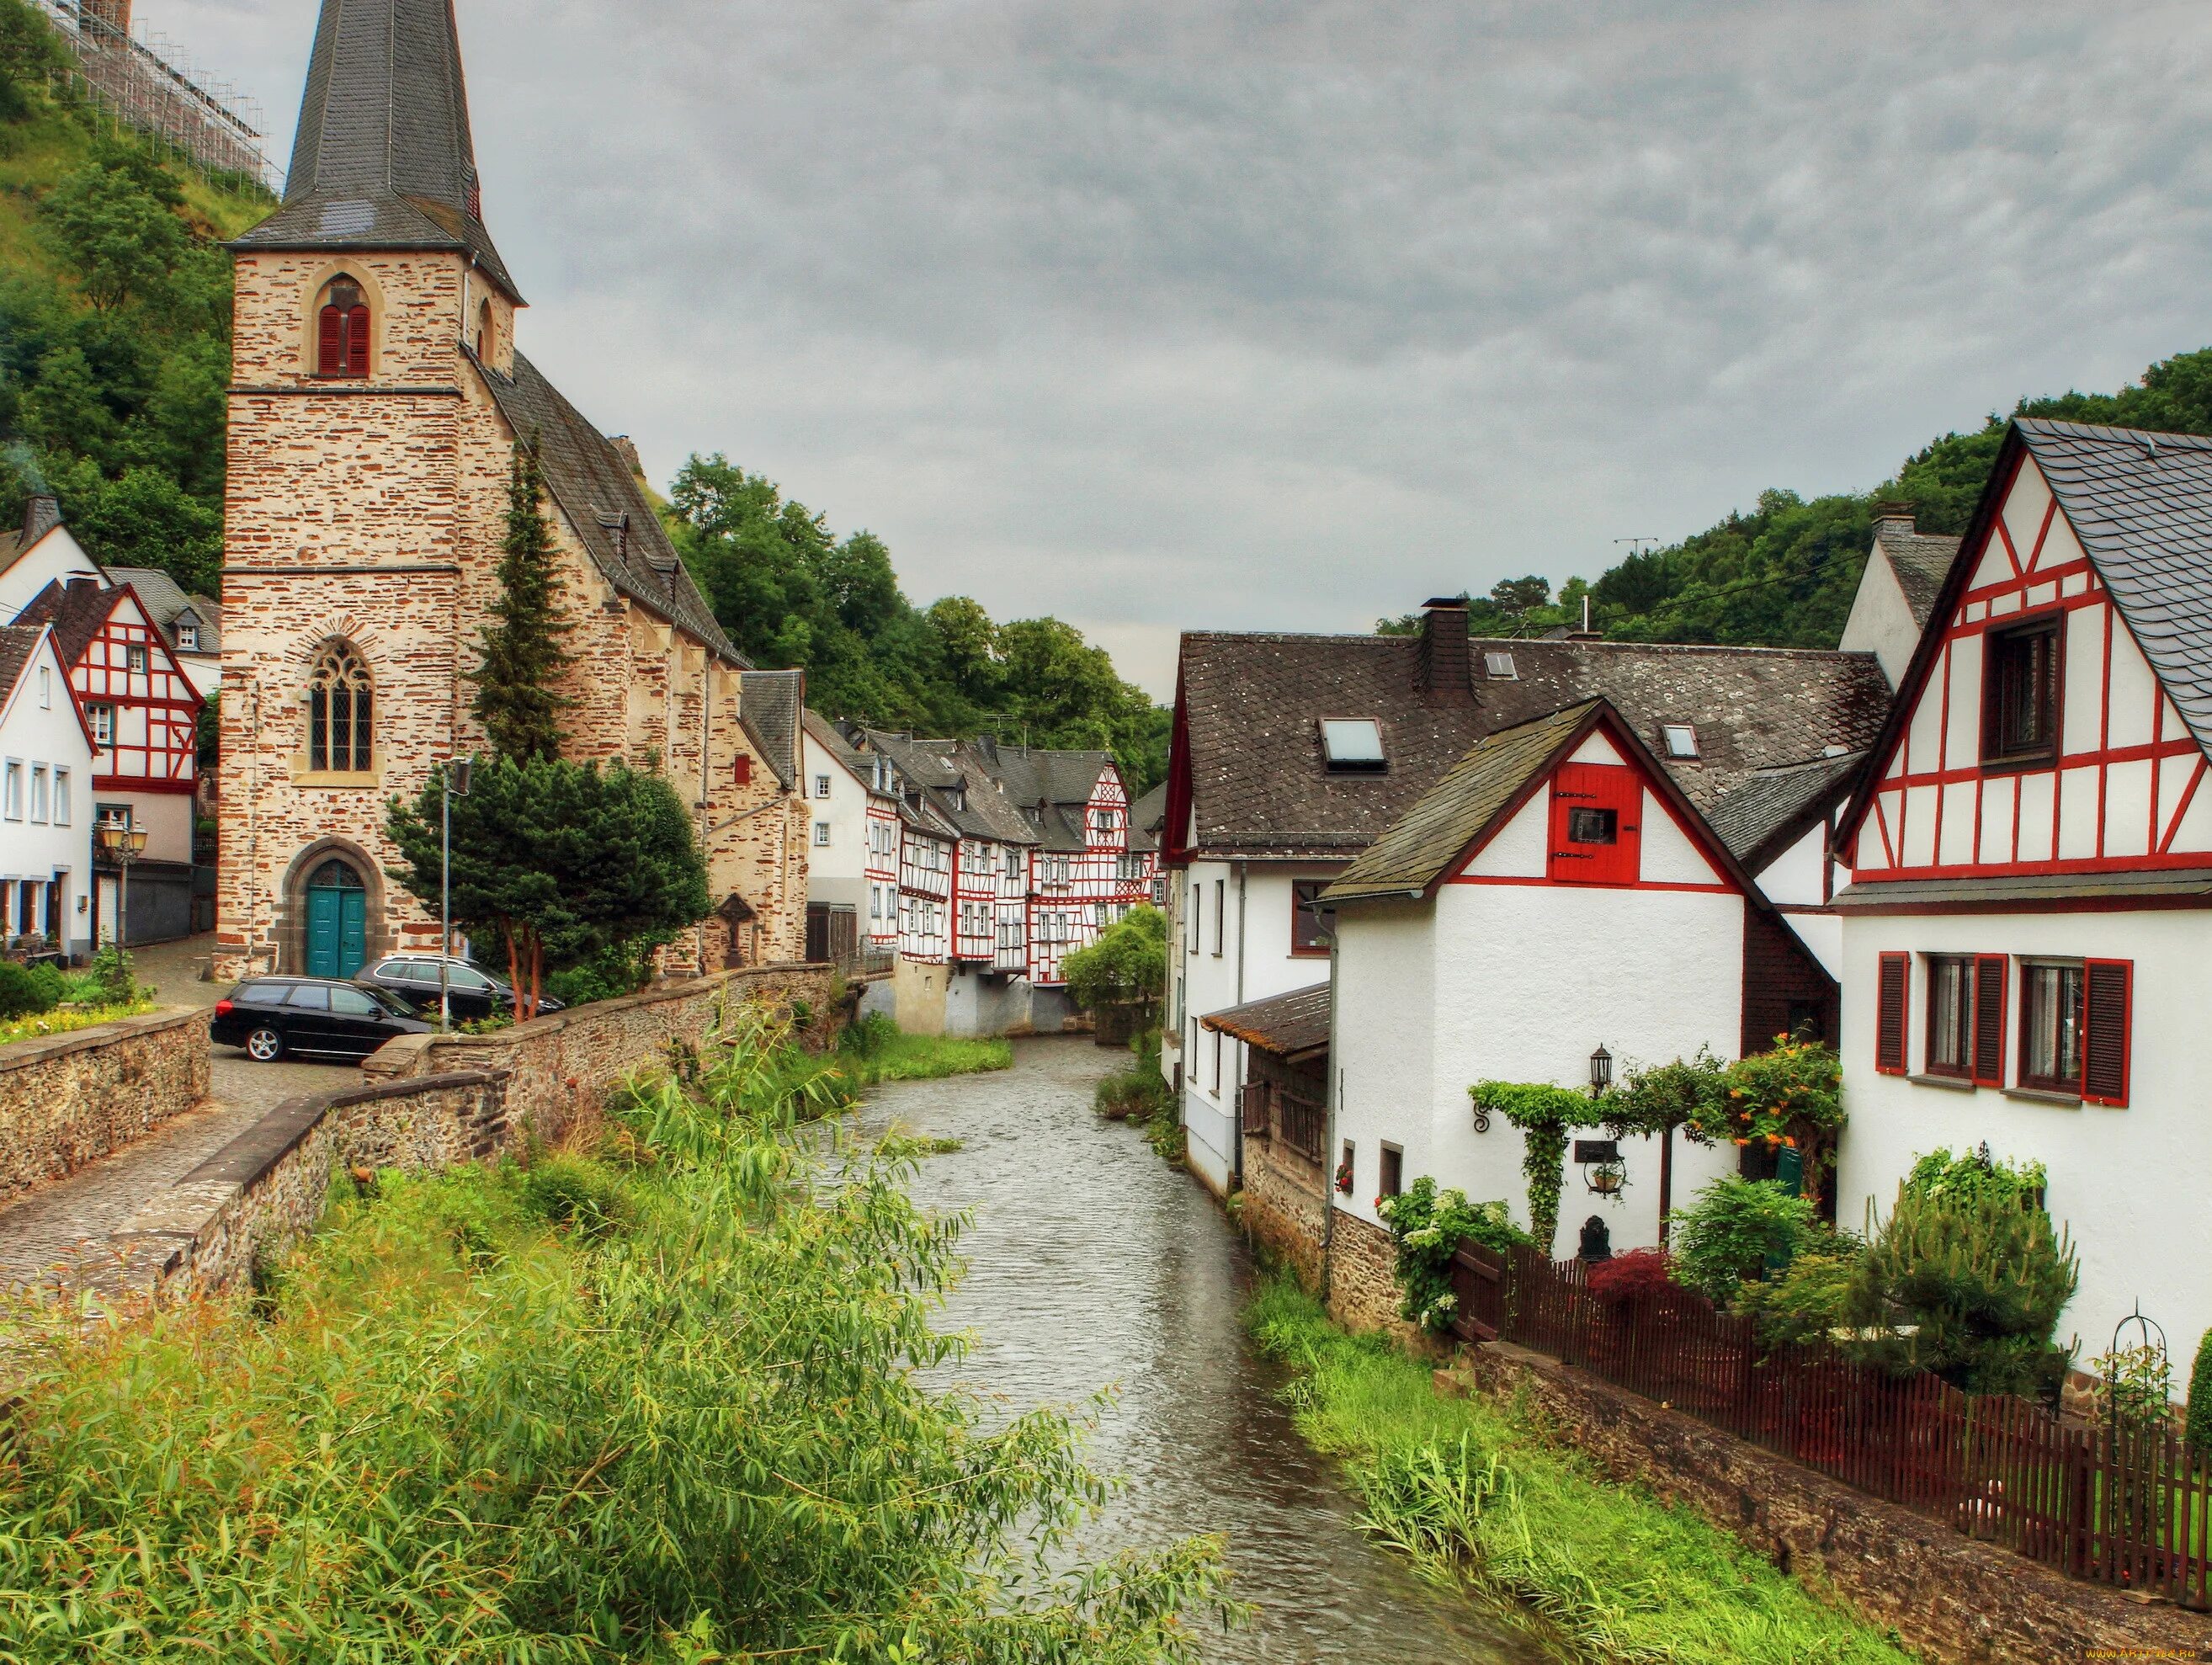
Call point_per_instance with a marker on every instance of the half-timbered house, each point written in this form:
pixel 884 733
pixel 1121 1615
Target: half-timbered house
pixel 143 714
pixel 1291 754
pixel 2025 935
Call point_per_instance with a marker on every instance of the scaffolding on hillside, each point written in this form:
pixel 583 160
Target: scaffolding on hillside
pixel 147 83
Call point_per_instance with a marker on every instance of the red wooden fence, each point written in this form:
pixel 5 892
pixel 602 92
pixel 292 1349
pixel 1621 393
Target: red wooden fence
pixel 2128 1508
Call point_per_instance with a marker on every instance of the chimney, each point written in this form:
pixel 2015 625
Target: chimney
pixel 626 448
pixel 1445 667
pixel 1894 520
pixel 40 516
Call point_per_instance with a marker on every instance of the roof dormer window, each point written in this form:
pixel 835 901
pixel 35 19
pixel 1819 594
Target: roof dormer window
pixel 1353 744
pixel 1499 667
pixel 1682 740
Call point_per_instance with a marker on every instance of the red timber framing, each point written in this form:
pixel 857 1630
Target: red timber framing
pixel 2115 790
pixel 882 870
pixel 147 718
pixel 1075 895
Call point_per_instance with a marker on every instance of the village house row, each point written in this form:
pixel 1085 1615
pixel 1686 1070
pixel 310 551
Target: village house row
pixel 1972 847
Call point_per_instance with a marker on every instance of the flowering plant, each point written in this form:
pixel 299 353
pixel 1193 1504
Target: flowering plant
pixel 1344 1176
pixel 1428 1224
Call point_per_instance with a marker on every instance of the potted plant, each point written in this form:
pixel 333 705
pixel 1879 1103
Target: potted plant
pixel 1608 1179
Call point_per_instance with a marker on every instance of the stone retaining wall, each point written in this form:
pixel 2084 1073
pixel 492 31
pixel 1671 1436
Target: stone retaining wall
pixel 553 1065
pixel 268 1186
pixel 1951 1598
pixel 1284 1199
pixel 68 1100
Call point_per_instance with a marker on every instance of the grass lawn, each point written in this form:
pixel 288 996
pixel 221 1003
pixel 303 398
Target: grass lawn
pixel 41 1024
pixel 1470 1491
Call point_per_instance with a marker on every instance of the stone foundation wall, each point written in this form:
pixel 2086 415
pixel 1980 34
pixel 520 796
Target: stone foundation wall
pixel 1363 1279
pixel 1951 1598
pixel 1284 1205
pixel 70 1099
pixel 553 1065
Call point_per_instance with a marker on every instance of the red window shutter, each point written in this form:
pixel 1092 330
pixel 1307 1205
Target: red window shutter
pixel 330 352
pixel 1602 788
pixel 357 341
pixel 1889 1013
pixel 1988 1019
pixel 2109 997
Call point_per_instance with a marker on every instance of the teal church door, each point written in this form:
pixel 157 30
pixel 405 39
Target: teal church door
pixel 337 922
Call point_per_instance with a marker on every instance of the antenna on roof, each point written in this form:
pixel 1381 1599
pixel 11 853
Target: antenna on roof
pixel 1638 545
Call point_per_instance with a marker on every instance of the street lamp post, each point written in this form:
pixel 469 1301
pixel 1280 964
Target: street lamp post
pixel 454 778
pixel 122 844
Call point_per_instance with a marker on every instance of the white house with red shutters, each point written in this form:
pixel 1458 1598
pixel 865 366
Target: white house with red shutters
pixel 144 713
pixel 2027 948
pixel 1554 893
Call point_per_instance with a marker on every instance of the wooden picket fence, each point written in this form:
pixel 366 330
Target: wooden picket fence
pixel 2133 1510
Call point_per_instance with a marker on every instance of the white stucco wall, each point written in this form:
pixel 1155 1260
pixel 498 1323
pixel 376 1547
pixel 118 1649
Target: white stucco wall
pixel 55 557
pixel 1881 620
pixel 836 871
pixel 33 735
pixel 1522 983
pixel 2131 1183
pixel 1793 878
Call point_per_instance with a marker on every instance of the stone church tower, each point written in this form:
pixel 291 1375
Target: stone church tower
pixel 377 398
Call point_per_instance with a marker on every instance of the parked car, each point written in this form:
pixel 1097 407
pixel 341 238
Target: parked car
pixel 269 1016
pixel 472 991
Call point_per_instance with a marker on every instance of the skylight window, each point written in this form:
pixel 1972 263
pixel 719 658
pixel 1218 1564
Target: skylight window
pixel 1499 667
pixel 1682 740
pixel 1351 743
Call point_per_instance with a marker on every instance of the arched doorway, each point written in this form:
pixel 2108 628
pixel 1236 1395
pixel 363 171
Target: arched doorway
pixel 337 920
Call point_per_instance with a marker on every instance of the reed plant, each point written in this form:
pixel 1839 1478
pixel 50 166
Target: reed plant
pixel 1470 1490
pixel 660 1400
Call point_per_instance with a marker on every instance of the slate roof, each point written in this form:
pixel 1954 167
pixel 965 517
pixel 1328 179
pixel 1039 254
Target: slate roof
pixel 826 734
pixel 1252 704
pixel 75 610
pixel 383 157
pixel 1420 849
pixel 1921 562
pixel 770 702
pixel 2141 505
pixel 1146 816
pixel 1284 1025
pixel 1772 808
pixel 586 476
pixel 960 796
pixel 2004 892
pixel 1051 787
pixel 164 600
pixel 18 642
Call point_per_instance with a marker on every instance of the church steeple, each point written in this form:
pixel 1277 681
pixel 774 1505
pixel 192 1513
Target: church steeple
pixel 383 158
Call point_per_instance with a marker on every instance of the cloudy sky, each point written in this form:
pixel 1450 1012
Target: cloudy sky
pixel 1173 313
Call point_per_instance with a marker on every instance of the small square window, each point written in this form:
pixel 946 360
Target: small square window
pixel 135 657
pixel 821 785
pixel 1593 826
pixel 1351 743
pixel 1681 740
pixel 1500 667
pixel 188 638
pixel 821 832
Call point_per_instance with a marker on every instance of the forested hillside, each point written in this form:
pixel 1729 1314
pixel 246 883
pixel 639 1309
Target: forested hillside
pixel 114 324
pixel 1782 574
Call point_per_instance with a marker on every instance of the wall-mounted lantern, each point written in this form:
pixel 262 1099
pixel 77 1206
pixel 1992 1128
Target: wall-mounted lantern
pixel 1600 1071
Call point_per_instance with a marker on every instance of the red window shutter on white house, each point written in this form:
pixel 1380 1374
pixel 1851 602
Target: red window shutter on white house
pixel 1613 794
pixel 2109 998
pixel 1988 1019
pixel 1889 1013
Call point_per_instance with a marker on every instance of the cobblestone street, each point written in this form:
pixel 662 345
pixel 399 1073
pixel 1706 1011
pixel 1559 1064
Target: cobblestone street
pixel 41 1234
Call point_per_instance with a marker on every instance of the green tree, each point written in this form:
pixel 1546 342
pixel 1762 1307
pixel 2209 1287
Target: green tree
pixel 146 519
pixel 564 864
pixel 518 675
pixel 29 50
pixel 116 223
pixel 1126 966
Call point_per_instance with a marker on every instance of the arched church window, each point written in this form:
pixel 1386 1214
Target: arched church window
pixel 342 331
pixel 485 336
pixel 339 713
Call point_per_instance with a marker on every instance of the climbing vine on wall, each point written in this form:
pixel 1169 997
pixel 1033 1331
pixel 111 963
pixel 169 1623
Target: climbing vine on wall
pixel 1543 1113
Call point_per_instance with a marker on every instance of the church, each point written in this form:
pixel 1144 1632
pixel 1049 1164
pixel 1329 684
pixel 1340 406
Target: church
pixel 377 399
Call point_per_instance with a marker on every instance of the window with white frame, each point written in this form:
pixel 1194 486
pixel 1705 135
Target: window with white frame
pixel 11 798
pixel 1682 740
pixel 46 688
pixel 821 832
pixel 134 658
pixel 188 638
pixel 39 790
pixel 821 785
pixel 102 720
pixel 61 797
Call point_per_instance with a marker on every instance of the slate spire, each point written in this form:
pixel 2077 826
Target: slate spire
pixel 383 158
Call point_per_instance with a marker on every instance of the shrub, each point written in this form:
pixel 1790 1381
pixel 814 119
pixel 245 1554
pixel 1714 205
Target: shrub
pixel 20 993
pixel 1812 1296
pixel 870 1036
pixel 580 985
pixel 1736 1227
pixel 1428 1224
pixel 1940 1174
pixel 1625 1277
pixel 1980 1279
pixel 579 1194
pixel 52 987
pixel 110 979
pixel 2197 1430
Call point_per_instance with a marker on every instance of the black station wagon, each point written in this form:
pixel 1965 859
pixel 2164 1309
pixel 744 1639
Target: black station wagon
pixel 318 1016
pixel 472 991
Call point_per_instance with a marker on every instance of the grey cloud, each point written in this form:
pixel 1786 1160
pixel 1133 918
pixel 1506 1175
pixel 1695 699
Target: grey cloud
pixel 1198 313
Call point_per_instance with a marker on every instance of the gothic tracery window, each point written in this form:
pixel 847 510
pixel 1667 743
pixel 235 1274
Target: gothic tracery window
pixel 342 331
pixel 339 713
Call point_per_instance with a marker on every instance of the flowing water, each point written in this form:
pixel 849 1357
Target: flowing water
pixel 1093 1263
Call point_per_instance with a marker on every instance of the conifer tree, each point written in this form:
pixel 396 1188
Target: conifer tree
pixel 518 696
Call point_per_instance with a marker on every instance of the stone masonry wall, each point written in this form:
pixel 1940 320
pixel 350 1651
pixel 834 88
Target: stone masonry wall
pixel 70 1099
pixel 1951 1598
pixel 1363 1279
pixel 556 1064
pixel 269 1185
pixel 1285 1197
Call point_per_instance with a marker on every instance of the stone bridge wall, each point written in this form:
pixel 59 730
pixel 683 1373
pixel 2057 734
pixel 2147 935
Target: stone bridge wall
pixel 68 1100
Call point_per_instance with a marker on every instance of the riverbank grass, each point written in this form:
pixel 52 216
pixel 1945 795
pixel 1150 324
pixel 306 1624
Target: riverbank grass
pixel 875 1049
pixel 1468 1490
